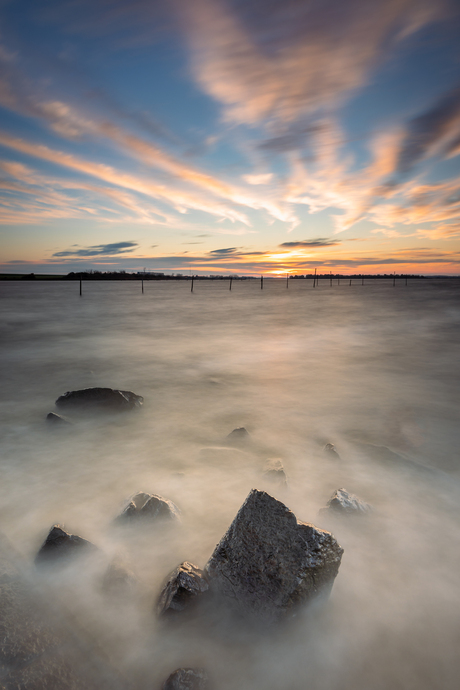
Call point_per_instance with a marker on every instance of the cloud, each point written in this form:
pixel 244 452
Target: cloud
pixel 223 252
pixel 320 242
pixel 263 178
pixel 435 131
pixel 274 61
pixel 112 249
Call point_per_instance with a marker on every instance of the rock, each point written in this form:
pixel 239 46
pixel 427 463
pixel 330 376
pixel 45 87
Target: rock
pixel 184 585
pixel 343 502
pixel 274 472
pixel 149 507
pixel 268 562
pixel 56 419
pixel 61 545
pixel 238 435
pixel 101 399
pixel 330 451
pixel 187 679
pixel 118 580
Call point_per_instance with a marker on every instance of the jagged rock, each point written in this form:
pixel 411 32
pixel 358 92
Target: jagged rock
pixel 330 451
pixel 274 472
pixel 238 435
pixel 61 545
pixel 343 502
pixel 149 507
pixel 184 585
pixel 56 419
pixel 187 679
pixel 268 562
pixel 101 399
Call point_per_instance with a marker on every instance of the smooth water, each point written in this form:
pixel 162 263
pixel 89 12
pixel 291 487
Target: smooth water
pixel 373 369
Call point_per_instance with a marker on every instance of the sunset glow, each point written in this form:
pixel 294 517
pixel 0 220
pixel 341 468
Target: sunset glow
pixel 216 136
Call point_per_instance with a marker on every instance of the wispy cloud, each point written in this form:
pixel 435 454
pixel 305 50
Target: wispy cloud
pixel 112 249
pixel 320 242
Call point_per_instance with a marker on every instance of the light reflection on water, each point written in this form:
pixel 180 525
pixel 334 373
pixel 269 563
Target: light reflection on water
pixel 373 369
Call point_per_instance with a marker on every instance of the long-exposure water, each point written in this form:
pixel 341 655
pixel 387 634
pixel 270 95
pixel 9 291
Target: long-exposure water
pixel 373 369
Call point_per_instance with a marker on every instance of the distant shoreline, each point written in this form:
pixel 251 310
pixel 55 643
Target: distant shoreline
pixel 90 276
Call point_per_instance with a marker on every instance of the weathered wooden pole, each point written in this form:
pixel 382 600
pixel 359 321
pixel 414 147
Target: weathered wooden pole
pixel 314 279
pixel 287 280
pixel 350 281
pixel 191 289
pixel 230 286
pixel 261 282
pixel 142 286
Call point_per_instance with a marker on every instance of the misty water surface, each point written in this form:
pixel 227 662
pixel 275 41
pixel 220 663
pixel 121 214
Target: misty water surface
pixel 372 369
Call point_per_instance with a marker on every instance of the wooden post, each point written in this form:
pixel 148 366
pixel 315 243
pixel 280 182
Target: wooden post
pixel 331 278
pixel 80 286
pixel 287 280
pixel 350 281
pixel 191 289
pixel 230 286
pixel 314 279
pixel 261 282
pixel 142 286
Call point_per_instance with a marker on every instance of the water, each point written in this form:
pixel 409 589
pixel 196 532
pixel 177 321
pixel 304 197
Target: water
pixel 373 369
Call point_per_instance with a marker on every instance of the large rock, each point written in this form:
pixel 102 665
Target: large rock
pixel 187 679
pixel 56 420
pixel 184 585
pixel 100 399
pixel 274 472
pixel 343 502
pixel 269 562
pixel 149 507
pixel 238 436
pixel 60 545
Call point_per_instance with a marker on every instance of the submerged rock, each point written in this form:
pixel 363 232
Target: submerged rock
pixel 330 451
pixel 343 502
pixel 274 472
pixel 56 420
pixel 269 562
pixel 149 507
pixel 238 435
pixel 118 580
pixel 187 679
pixel 184 585
pixel 100 399
pixel 59 544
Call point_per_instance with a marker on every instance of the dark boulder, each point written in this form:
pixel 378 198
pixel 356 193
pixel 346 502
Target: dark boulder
pixel 100 399
pixel 269 562
pixel 184 585
pixel 55 420
pixel 60 545
pixel 149 507
pixel 187 679
pixel 330 451
pixel 343 502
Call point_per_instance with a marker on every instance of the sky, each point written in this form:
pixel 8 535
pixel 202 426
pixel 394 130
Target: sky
pixel 230 136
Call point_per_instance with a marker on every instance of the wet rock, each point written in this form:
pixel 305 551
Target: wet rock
pixel 149 507
pixel 187 679
pixel 56 420
pixel 100 399
pixel 330 451
pixel 268 562
pixel 343 502
pixel 60 545
pixel 238 435
pixel 184 585
pixel 274 472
